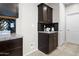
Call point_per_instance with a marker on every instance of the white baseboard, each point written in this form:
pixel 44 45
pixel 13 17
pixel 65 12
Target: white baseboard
pixel 30 52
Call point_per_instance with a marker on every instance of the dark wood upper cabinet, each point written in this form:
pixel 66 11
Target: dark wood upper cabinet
pixel 44 13
pixel 9 10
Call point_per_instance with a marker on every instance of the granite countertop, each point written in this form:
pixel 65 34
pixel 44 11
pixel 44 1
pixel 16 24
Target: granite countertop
pixel 50 32
pixel 9 37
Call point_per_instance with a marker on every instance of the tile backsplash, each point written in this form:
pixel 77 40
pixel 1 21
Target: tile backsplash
pixel 43 26
pixel 8 25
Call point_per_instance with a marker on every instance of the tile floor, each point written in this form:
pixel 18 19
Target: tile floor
pixel 68 49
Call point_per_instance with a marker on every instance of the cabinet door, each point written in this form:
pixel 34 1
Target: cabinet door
pixel 45 14
pixel 43 42
pixel 49 15
pixel 55 37
pixel 9 45
pixel 40 13
pixel 9 9
pixel 15 52
pixel 55 42
pixel 51 42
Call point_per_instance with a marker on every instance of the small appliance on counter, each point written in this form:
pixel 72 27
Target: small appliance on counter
pixel 47 29
pixel 52 29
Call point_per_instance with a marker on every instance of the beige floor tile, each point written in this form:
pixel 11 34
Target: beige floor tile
pixel 37 53
pixel 77 52
pixel 68 49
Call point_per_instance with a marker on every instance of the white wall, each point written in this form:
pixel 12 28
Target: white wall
pixel 61 34
pixel 19 21
pixel 55 12
pixel 27 26
pixel 72 8
pixel 72 23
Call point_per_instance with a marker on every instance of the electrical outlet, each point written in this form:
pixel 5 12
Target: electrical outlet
pixel 32 45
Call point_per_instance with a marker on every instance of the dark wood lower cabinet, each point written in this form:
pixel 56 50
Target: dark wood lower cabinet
pixel 47 42
pixel 15 52
pixel 11 47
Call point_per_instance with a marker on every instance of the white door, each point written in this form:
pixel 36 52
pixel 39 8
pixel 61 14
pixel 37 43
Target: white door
pixel 72 28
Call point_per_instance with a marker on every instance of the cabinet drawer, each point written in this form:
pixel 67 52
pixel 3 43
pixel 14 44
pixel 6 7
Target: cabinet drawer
pixel 14 52
pixel 10 44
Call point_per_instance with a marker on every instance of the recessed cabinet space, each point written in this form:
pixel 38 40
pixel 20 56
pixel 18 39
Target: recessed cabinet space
pixel 44 13
pixel 47 42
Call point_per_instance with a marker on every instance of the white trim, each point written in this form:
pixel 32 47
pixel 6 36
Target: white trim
pixel 30 52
